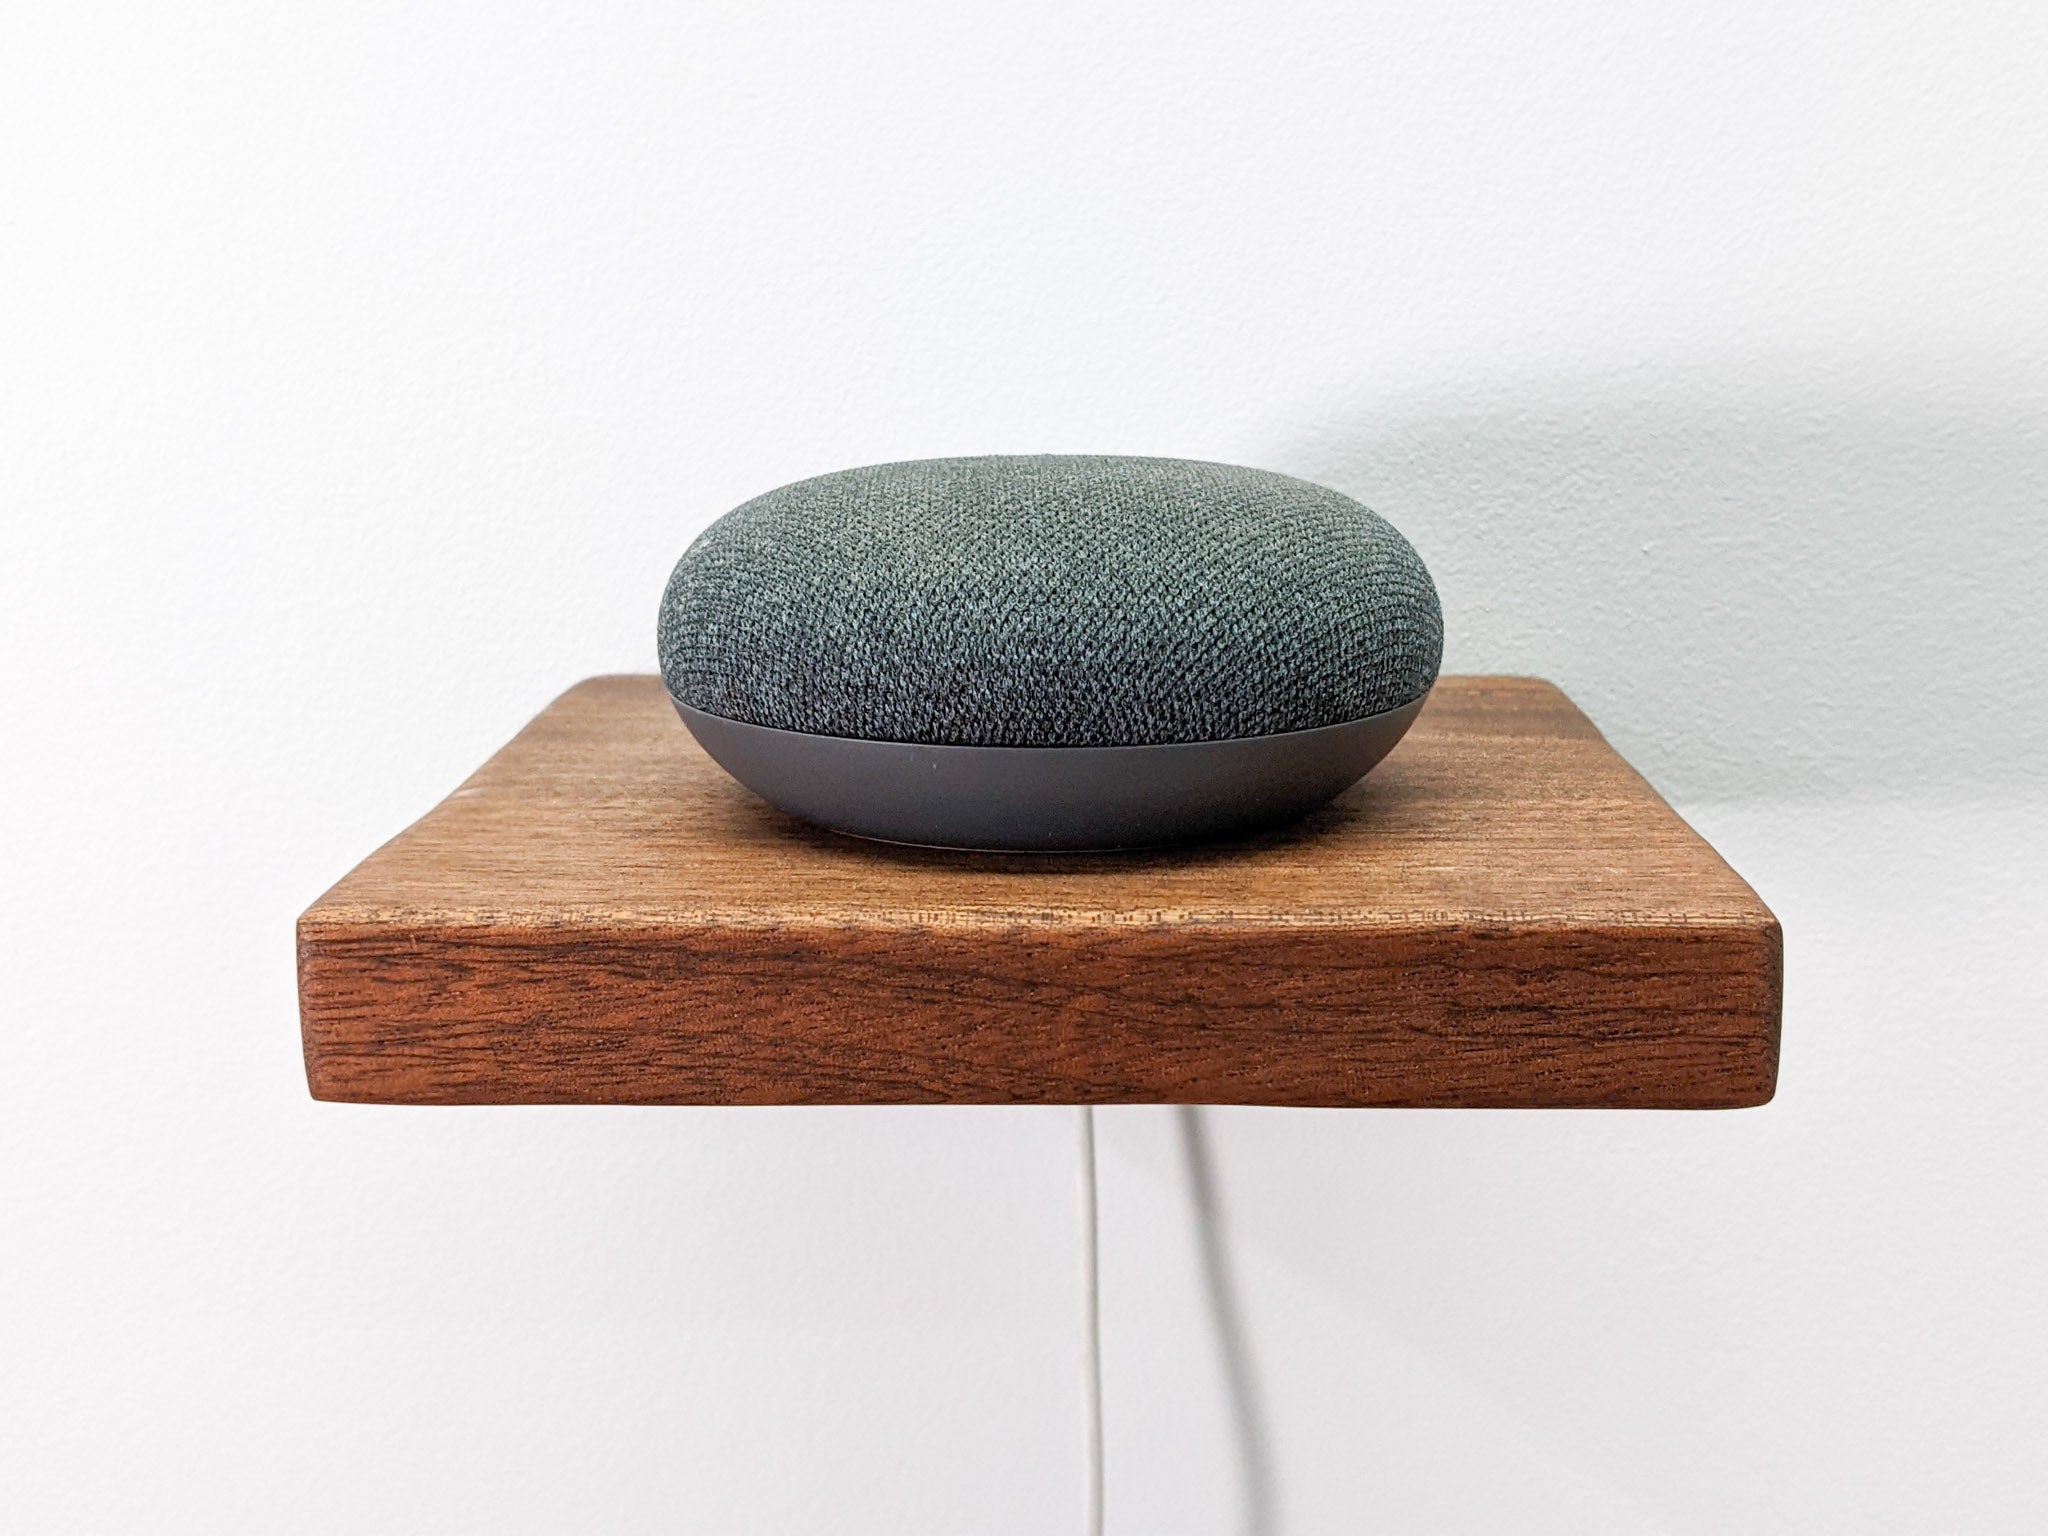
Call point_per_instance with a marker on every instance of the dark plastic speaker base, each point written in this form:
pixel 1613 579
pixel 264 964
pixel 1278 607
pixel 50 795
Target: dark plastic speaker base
pixel 1047 797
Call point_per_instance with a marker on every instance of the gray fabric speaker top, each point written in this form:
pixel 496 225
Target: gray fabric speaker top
pixel 1049 601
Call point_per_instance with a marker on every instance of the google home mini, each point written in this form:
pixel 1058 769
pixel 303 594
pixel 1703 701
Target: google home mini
pixel 1049 651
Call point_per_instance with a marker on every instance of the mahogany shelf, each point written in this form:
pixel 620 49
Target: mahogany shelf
pixel 1502 914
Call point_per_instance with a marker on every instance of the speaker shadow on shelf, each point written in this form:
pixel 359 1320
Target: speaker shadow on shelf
pixel 1286 837
pixel 1226 1317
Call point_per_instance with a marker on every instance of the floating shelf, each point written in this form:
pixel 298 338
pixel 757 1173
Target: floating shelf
pixel 1502 914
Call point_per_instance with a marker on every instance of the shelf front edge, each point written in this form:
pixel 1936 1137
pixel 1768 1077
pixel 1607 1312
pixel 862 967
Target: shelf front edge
pixel 1446 1015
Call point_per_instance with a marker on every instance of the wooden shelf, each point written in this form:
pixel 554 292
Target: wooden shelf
pixel 1502 914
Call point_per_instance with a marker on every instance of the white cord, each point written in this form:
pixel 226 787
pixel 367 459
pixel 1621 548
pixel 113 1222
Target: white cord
pixel 1091 1283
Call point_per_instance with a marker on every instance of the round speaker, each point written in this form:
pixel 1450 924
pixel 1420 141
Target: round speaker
pixel 1049 651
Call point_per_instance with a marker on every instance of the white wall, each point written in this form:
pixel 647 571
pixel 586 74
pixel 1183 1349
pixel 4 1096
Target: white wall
pixel 362 371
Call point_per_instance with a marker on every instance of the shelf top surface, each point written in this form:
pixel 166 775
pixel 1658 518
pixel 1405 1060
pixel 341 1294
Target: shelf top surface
pixel 1503 805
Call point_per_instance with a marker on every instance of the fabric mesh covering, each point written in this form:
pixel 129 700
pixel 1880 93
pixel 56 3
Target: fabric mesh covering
pixel 1049 601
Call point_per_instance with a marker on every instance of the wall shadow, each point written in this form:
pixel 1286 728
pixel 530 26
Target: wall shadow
pixel 1778 575
pixel 1226 1313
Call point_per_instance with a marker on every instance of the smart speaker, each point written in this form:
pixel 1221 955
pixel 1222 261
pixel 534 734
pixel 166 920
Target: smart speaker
pixel 1049 651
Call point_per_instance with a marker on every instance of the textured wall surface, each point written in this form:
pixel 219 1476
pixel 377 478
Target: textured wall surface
pixel 363 370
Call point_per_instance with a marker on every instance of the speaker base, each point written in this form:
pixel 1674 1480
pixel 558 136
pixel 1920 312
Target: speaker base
pixel 1009 798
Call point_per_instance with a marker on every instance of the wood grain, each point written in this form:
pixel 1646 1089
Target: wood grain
pixel 1504 913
